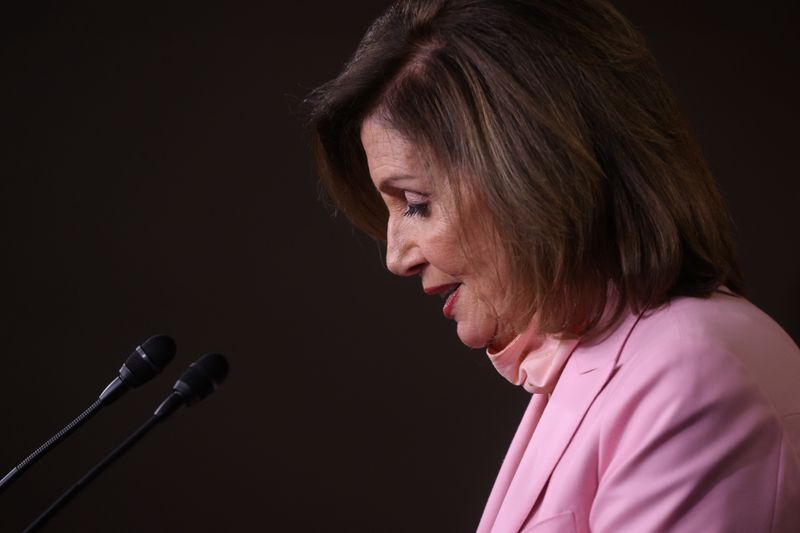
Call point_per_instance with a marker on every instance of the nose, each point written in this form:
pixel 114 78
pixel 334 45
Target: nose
pixel 404 256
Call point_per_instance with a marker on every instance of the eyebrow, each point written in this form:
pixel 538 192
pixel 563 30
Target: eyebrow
pixel 392 181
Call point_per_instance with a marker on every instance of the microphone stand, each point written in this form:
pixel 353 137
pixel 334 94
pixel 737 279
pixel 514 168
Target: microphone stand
pixel 167 407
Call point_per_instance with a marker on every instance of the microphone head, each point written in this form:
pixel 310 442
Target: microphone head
pixel 203 377
pixel 147 360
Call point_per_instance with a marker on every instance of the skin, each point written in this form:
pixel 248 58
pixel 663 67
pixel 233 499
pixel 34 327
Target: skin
pixel 424 238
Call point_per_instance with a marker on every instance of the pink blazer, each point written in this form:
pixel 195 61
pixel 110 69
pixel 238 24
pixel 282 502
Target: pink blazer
pixel 686 419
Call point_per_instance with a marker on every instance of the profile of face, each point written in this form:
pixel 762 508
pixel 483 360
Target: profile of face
pixel 425 237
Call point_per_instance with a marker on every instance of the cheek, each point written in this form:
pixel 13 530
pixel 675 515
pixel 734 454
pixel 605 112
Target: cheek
pixel 486 299
pixel 489 273
pixel 479 263
pixel 477 306
pixel 447 255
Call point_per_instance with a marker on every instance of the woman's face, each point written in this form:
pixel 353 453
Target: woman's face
pixel 424 237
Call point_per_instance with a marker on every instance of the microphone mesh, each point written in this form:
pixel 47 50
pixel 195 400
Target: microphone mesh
pixel 160 350
pixel 202 377
pixel 215 365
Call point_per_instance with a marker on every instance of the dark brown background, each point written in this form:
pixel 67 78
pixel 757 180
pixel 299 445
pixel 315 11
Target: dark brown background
pixel 156 179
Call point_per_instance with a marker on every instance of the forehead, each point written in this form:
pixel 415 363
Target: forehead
pixel 389 154
pixel 376 131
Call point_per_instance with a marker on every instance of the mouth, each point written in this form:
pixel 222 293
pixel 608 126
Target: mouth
pixel 449 290
pixel 442 290
pixel 450 297
pixel 448 293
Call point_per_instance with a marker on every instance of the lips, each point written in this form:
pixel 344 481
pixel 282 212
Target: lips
pixel 443 290
pixel 449 290
pixel 449 293
pixel 451 296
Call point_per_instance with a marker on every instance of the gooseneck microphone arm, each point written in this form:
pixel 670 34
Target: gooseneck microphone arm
pixel 145 362
pixel 201 379
pixel 17 471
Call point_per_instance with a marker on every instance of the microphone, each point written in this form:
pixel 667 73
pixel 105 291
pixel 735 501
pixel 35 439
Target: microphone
pixel 141 366
pixel 147 360
pixel 203 377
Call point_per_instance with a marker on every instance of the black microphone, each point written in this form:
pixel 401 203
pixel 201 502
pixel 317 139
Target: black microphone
pixel 202 378
pixel 143 364
pixel 147 360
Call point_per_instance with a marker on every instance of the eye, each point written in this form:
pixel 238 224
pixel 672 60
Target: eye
pixel 416 205
pixel 416 210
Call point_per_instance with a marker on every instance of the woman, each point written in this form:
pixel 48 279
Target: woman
pixel 528 162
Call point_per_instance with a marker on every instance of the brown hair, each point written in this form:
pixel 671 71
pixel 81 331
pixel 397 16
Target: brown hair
pixel 556 116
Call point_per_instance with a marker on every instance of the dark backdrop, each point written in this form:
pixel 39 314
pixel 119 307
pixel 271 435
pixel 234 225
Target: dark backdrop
pixel 156 178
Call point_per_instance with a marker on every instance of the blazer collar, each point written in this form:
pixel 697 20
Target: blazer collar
pixel 584 376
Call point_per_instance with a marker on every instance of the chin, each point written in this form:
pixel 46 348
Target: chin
pixel 476 336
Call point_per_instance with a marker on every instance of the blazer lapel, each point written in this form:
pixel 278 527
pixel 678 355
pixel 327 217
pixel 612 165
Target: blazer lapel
pixel 585 374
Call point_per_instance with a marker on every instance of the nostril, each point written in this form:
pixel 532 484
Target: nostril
pixel 417 269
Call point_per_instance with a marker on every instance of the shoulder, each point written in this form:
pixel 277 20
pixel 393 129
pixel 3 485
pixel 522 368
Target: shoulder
pixel 722 320
pixel 718 362
pixel 693 426
pixel 700 407
pixel 715 343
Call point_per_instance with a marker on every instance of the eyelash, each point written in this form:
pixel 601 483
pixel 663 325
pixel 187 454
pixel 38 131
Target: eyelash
pixel 416 210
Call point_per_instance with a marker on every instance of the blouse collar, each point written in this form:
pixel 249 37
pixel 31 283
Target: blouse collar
pixel 533 360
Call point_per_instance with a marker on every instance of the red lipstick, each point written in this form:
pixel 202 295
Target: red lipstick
pixel 450 302
pixel 439 289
